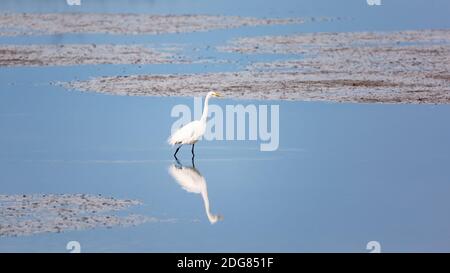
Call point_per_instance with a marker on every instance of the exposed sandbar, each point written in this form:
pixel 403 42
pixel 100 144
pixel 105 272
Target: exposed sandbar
pixel 12 24
pixel 311 42
pixel 32 214
pixel 276 86
pixel 82 54
pixel 378 67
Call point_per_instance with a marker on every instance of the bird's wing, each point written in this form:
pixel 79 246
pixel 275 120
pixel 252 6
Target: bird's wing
pixel 185 133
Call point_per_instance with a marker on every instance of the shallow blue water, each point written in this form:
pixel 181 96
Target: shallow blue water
pixel 344 174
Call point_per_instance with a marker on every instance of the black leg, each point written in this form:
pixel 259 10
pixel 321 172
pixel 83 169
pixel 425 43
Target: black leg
pixel 175 154
pixel 193 155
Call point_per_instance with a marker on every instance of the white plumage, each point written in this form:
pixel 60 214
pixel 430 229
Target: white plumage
pixel 188 134
pixel 191 132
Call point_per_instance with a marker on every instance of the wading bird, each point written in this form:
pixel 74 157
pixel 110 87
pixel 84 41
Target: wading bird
pixel 191 132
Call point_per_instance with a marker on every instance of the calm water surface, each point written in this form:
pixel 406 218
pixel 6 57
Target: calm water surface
pixel 344 174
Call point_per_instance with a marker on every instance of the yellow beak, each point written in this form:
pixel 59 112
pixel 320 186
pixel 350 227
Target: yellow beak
pixel 217 94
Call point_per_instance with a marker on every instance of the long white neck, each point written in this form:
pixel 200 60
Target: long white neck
pixel 205 109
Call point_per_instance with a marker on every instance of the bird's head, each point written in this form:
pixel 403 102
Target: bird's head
pixel 215 94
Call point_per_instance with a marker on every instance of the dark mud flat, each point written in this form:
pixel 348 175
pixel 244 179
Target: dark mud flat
pixel 85 54
pixel 32 214
pixel 379 67
pixel 310 42
pixel 13 24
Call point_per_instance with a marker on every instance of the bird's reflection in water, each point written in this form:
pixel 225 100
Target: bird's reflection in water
pixel 191 180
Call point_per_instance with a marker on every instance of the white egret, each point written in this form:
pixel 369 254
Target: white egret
pixel 191 132
pixel 191 180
